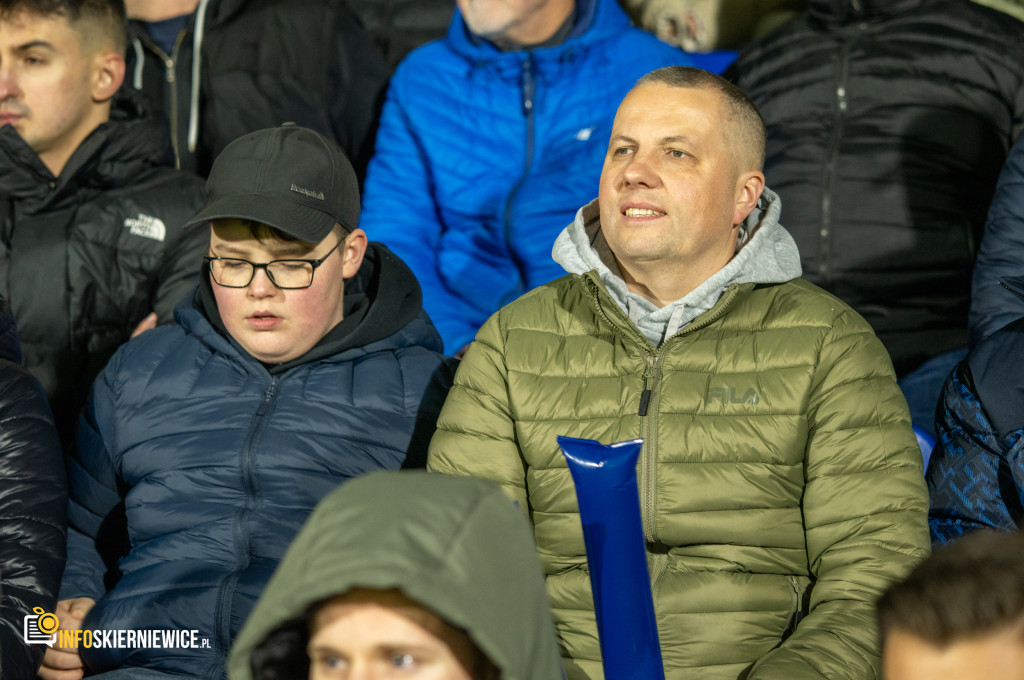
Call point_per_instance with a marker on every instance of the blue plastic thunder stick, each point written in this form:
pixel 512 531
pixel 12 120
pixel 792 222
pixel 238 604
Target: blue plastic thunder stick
pixel 605 478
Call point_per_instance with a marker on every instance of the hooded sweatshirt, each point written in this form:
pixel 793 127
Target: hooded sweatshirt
pixel 457 546
pixel 765 253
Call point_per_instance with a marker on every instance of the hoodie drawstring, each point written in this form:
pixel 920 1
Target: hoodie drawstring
pixel 197 44
pixel 140 60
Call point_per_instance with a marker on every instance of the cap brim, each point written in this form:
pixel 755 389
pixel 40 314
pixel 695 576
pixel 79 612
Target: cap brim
pixel 294 219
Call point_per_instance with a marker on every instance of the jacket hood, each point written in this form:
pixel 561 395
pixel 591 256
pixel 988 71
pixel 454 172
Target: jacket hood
pixel 456 545
pixel 596 20
pixel 765 254
pixel 116 152
pixel 839 12
pixel 383 311
pixel 10 345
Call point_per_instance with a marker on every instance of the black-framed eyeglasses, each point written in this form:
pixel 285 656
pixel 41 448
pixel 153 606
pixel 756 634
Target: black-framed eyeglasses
pixel 233 272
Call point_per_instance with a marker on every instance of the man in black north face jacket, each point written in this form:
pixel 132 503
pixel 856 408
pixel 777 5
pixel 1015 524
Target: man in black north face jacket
pixel 90 212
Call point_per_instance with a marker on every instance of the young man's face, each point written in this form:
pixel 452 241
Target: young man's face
pixel 273 324
pixel 670 187
pixel 379 635
pixel 996 656
pixel 47 80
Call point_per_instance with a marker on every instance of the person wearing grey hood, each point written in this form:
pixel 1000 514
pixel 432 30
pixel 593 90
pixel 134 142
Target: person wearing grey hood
pixel 405 575
pixel 780 481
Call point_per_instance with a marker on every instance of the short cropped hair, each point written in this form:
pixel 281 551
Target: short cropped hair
pixel 743 112
pixel 101 23
pixel 970 587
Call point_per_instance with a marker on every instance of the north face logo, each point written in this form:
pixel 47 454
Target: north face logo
pixel 147 227
pixel 730 395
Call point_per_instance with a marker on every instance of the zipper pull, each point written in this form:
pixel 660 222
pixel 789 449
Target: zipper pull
pixel 529 86
pixel 645 396
pixel 645 399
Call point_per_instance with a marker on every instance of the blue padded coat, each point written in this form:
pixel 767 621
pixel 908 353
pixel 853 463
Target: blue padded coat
pixel 483 157
pixel 196 465
pixel 976 471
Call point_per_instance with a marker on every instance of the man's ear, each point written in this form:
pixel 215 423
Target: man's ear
pixel 107 75
pixel 749 186
pixel 352 253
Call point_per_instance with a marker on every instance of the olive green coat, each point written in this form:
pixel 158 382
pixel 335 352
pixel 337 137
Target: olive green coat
pixel 779 477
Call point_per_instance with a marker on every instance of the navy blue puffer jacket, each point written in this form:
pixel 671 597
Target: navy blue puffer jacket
pixel 976 471
pixel 214 461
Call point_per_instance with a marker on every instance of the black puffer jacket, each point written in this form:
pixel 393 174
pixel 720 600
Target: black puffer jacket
pixel 888 122
pixel 85 256
pixel 33 506
pixel 263 63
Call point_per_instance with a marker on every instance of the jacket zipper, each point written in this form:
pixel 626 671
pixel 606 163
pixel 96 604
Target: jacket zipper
pixel 227 588
pixel 172 83
pixel 170 80
pixel 529 94
pixel 649 452
pixel 798 605
pixel 648 410
pixel 828 184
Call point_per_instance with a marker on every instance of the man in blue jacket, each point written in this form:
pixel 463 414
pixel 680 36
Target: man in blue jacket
pixel 491 139
pixel 302 360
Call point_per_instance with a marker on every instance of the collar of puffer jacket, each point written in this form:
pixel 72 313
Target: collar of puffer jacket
pixel 840 12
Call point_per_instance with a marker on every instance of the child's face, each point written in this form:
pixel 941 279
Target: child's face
pixel 273 324
pixel 384 635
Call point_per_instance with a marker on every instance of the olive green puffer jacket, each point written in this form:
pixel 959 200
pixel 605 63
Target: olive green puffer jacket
pixel 779 481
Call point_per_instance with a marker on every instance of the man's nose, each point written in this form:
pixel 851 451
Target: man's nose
pixel 640 171
pixel 8 82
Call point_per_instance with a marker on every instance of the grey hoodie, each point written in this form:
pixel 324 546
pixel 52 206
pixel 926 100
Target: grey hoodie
pixel 765 253
pixel 456 545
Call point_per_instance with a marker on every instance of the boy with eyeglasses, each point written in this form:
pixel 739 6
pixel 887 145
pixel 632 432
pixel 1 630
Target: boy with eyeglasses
pixel 303 359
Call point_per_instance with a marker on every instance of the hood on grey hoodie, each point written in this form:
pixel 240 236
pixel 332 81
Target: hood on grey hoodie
pixel 765 253
pixel 455 545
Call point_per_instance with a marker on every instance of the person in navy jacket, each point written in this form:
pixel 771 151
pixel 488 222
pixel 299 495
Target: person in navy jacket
pixel 303 359
pixel 976 471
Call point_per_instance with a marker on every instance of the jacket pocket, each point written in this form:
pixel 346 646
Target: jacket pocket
pixel 801 587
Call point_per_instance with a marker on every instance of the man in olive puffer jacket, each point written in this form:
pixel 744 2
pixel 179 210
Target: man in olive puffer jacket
pixel 780 482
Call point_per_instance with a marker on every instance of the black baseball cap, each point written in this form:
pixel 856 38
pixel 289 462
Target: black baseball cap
pixel 288 177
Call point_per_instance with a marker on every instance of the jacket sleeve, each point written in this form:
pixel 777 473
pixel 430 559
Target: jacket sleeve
pixel 33 515
pixel 475 434
pixel 972 482
pixel 184 251
pixel 399 210
pixel 1001 252
pixel 97 531
pixel 864 506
